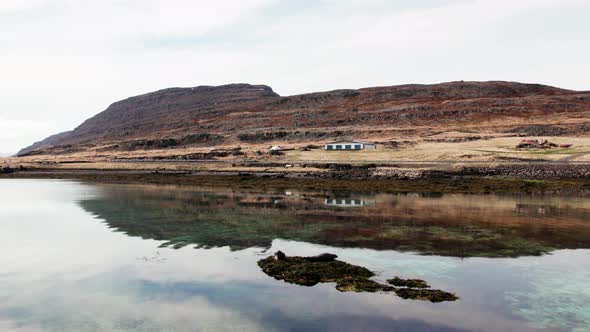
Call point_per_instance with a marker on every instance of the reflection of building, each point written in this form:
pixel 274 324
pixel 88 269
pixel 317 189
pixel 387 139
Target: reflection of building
pixel 348 202
pixel 537 210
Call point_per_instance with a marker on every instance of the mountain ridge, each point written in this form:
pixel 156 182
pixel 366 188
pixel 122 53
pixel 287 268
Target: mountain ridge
pixel 239 112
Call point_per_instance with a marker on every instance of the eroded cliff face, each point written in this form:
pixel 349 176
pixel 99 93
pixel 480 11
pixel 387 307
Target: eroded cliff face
pixel 253 113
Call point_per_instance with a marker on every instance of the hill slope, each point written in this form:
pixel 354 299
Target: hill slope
pixel 249 114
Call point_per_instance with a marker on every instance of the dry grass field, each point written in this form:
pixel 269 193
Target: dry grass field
pixel 447 148
pixel 486 150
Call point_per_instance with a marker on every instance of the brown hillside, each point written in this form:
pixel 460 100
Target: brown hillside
pixel 248 114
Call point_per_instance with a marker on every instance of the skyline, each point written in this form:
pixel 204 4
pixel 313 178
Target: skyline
pixel 66 61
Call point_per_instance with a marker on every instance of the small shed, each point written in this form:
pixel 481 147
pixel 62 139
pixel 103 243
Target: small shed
pixel 349 145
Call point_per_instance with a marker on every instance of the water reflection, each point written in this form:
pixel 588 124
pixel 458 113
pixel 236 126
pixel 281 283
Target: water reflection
pixel 450 225
pixel 99 268
pixel 538 210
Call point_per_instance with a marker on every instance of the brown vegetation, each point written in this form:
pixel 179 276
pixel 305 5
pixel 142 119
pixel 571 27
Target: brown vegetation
pixel 458 115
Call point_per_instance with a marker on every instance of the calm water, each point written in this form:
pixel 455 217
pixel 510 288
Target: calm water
pixel 87 257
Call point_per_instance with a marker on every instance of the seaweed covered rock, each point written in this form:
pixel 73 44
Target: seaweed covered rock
pixel 309 271
pixel 301 271
pixel 412 283
pixel 432 295
pixel 362 285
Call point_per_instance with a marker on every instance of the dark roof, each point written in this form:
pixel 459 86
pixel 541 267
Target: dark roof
pixel 348 141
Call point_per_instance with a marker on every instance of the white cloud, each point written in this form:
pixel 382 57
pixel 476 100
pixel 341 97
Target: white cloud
pixel 22 130
pixel 10 6
pixel 63 60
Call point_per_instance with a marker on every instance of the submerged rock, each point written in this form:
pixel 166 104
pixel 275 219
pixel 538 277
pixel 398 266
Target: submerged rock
pixel 309 271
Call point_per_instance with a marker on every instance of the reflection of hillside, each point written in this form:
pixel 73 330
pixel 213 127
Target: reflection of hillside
pixel 452 225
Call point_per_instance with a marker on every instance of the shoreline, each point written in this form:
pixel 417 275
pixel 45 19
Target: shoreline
pixel 464 181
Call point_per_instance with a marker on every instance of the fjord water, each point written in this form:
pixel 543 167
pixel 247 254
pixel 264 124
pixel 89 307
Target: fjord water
pixel 111 257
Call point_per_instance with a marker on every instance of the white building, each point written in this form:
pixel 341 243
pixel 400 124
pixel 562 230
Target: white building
pixel 349 145
pixel 347 202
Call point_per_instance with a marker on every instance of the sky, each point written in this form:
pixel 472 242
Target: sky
pixel 63 61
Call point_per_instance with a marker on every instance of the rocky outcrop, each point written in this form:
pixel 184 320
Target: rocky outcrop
pixel 164 143
pixel 210 155
pixel 541 171
pixel 551 130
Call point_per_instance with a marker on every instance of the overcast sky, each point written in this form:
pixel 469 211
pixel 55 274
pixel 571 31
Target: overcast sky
pixel 63 61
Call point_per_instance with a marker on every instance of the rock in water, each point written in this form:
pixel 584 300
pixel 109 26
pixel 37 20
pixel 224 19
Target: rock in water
pixel 300 271
pixel 309 271
pixel 432 295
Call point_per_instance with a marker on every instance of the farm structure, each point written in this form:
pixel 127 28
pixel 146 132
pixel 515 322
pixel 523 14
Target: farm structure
pixel 349 145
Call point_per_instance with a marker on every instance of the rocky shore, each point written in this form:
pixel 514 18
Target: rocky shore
pixel 541 171
pixel 507 179
pixel 355 172
pixel 515 171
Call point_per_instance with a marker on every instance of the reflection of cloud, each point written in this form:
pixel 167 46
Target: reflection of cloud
pixel 112 305
pixel 70 272
pixel 469 313
pixel 108 303
pixel 9 325
pixel 560 287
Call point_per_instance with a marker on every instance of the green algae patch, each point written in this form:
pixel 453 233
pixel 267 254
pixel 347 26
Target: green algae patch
pixel 412 283
pixel 304 271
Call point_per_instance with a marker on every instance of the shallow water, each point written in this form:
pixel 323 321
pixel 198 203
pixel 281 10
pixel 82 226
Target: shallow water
pixel 88 257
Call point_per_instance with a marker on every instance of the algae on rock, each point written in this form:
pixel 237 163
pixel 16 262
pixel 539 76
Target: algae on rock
pixel 412 283
pixel 300 271
pixel 432 295
pixel 348 278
